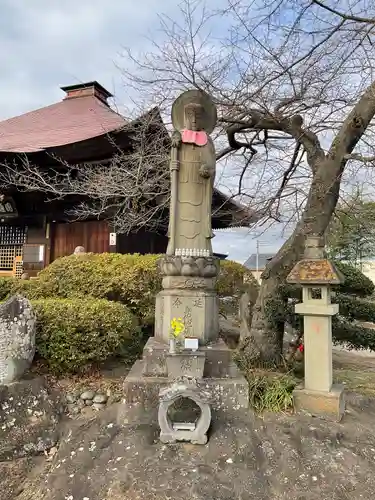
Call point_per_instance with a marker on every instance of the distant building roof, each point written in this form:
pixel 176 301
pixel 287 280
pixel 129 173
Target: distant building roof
pixel 221 256
pixel 83 114
pixel 263 258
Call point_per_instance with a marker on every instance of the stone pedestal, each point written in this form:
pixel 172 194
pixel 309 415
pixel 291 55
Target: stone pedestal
pixel 198 309
pixel 227 387
pixel 186 364
pixel 327 404
pixel 188 293
pixel 218 360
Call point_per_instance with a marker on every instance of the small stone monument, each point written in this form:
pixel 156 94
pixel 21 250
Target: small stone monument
pixel 17 338
pixel 196 432
pixel 316 274
pixel 189 272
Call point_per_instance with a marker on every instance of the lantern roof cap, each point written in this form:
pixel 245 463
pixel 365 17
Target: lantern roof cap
pixel 315 268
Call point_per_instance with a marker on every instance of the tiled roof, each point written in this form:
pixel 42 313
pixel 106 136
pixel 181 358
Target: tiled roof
pixel 66 122
pixel 263 258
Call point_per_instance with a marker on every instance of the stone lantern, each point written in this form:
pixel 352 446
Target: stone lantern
pixel 317 274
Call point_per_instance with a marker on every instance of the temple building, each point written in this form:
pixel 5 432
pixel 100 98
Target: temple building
pixel 80 129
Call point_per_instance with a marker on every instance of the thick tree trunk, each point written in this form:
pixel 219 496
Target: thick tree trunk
pixel 267 331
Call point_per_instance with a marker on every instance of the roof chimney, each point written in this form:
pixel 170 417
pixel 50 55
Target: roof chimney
pixel 87 89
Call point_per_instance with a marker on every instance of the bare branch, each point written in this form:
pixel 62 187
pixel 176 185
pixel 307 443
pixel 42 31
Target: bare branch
pixel 343 15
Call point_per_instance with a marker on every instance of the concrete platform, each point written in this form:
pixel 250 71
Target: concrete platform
pixel 328 405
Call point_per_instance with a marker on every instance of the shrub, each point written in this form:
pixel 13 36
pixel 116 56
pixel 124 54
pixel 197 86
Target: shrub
pixel 231 278
pixel 133 280
pixel 352 335
pixel 6 287
pixel 74 333
pixel 32 289
pixel 356 282
pixel 271 392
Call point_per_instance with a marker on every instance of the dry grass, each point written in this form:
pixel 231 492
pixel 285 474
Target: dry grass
pixel 356 381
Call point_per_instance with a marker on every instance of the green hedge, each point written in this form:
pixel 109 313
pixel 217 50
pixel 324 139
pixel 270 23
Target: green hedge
pixel 133 280
pixel 352 335
pixel 231 279
pixel 356 282
pixel 74 333
pixel 6 287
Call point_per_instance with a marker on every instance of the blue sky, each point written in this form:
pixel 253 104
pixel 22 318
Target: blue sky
pixel 45 44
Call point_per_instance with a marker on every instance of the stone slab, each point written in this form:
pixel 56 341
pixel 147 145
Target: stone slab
pixel 186 363
pixel 141 395
pixel 328 405
pixel 199 310
pixel 219 362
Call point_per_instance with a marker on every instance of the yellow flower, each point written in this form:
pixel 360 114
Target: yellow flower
pixel 177 326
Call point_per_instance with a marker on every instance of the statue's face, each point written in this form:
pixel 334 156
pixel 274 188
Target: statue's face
pixel 194 117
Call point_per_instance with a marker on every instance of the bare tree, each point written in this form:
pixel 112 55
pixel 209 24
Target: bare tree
pixel 294 84
pixel 293 81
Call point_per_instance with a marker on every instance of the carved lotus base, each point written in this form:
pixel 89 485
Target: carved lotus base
pixel 206 267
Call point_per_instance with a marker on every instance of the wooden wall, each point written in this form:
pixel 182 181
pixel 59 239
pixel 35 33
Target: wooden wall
pixel 142 242
pixel 93 236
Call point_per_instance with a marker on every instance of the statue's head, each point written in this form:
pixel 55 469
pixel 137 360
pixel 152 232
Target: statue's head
pixel 194 116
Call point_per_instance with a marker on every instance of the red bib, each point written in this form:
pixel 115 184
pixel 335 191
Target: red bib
pixel 193 137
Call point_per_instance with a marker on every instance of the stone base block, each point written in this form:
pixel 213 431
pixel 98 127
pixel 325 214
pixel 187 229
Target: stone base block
pixel 328 405
pixel 186 364
pixel 219 363
pixel 199 310
pixel 141 395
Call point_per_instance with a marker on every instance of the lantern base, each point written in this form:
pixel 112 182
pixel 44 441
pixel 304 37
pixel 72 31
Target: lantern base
pixel 328 405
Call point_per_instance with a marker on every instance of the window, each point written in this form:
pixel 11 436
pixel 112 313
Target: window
pixel 12 239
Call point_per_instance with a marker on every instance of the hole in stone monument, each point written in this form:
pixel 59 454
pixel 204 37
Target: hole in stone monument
pixel 316 293
pixel 184 414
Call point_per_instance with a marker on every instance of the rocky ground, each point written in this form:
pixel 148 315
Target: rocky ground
pixel 90 455
pixel 274 457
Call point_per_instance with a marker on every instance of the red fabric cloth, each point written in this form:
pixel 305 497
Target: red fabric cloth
pixel 194 137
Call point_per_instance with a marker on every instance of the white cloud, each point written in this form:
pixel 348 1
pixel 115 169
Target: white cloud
pixel 45 44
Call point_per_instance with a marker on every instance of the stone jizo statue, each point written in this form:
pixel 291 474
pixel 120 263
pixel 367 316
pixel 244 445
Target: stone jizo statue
pixel 192 175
